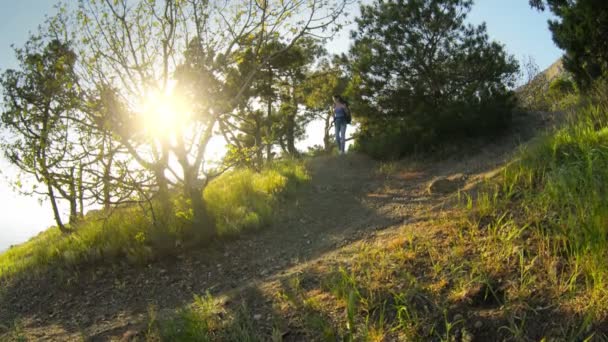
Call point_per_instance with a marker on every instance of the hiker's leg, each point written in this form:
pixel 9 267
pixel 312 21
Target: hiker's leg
pixel 343 136
pixel 338 125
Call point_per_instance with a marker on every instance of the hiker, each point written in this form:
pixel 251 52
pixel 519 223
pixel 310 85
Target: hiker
pixel 341 119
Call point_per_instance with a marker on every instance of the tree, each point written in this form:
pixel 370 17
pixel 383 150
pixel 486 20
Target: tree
pixel 328 79
pixel 296 68
pixel 271 112
pixel 581 31
pixel 184 52
pixel 41 98
pixel 422 76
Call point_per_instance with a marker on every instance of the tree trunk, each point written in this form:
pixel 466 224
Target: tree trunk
pixel 201 220
pixel 259 153
pixel 269 119
pixel 193 190
pixel 107 182
pixel 327 143
pixel 80 192
pixel 283 145
pixel 73 199
pixel 164 200
pixel 62 228
pixel 291 122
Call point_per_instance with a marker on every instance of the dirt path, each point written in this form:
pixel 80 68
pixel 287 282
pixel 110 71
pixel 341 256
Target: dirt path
pixel 347 201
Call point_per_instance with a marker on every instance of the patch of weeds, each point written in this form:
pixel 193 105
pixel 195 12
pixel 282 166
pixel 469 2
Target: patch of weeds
pixel 15 332
pixel 386 169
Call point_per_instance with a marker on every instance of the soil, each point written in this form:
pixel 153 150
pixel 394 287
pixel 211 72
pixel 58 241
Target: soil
pixel 346 202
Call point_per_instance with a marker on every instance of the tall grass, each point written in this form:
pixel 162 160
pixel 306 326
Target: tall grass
pixel 559 189
pixel 238 200
pixel 245 199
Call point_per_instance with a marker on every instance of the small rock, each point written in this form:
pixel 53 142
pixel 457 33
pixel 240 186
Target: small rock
pixel 257 317
pixel 446 185
pixel 458 317
pixel 129 335
pixel 478 325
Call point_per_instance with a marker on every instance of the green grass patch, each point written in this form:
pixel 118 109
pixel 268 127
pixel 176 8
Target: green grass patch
pixel 244 199
pixel 544 226
pixel 238 200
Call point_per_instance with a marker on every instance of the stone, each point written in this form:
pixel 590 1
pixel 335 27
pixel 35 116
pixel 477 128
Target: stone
pixel 129 335
pixel 446 185
pixel 478 325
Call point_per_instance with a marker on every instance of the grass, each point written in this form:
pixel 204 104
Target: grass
pixel 239 200
pixel 523 260
pixel 245 199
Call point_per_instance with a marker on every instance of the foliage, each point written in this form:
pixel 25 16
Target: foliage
pixel 40 98
pixel 562 94
pixel 329 78
pixel 270 113
pixel 111 92
pixel 413 81
pixel 239 200
pixel 245 199
pixel 581 30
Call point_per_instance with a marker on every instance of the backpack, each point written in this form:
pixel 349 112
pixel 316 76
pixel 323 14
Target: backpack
pixel 348 116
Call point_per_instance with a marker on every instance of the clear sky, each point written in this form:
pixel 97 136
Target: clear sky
pixel 521 29
pixel 21 217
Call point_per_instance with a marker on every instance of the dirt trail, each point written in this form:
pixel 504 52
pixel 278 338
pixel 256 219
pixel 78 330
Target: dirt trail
pixel 347 201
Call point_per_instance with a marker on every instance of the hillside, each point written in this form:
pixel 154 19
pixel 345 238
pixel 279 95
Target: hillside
pixel 553 71
pixel 273 283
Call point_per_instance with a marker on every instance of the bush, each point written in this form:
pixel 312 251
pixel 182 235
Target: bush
pixel 410 97
pixel 238 200
pixel 394 138
pixel 244 199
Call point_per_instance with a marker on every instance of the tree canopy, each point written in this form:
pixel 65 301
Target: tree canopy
pixel 422 76
pixel 581 30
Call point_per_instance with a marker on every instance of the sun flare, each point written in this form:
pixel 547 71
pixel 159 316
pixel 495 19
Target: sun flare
pixel 167 116
pixel 164 114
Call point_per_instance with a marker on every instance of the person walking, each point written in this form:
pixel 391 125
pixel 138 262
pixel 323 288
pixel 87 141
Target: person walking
pixel 341 120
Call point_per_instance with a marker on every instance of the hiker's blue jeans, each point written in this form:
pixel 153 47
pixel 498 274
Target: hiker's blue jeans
pixel 340 125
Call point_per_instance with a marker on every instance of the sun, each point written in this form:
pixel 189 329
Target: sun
pixel 167 117
pixel 164 114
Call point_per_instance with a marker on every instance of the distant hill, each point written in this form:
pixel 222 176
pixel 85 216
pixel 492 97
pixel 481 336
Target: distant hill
pixel 532 94
pixel 553 71
pixel 545 77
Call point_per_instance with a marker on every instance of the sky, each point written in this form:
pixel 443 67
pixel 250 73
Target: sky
pixel 513 23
